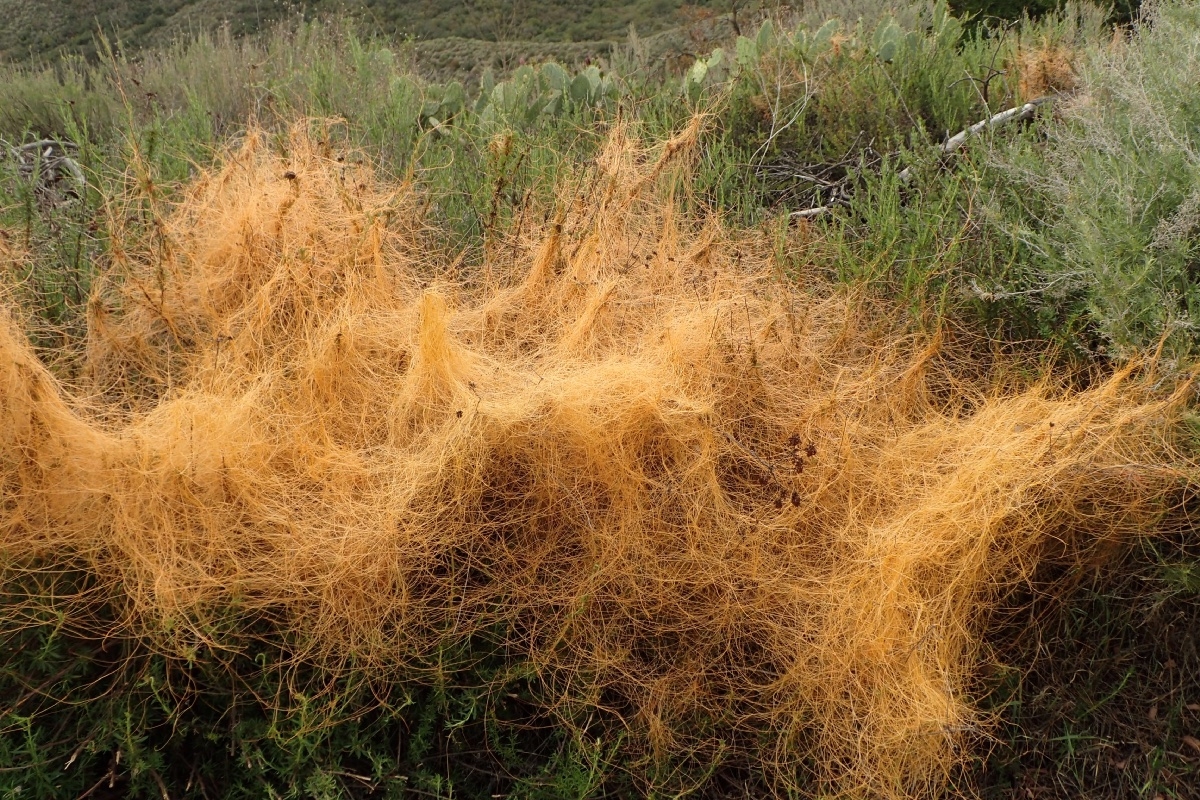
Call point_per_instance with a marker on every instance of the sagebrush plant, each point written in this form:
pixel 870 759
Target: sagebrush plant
pixel 1106 198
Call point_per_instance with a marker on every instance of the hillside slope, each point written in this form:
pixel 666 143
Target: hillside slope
pixel 45 28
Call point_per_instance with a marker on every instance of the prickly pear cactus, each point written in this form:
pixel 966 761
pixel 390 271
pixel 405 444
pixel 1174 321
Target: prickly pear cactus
pixel 545 92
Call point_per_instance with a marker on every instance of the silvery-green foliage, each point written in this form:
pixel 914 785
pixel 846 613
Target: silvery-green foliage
pixel 1113 209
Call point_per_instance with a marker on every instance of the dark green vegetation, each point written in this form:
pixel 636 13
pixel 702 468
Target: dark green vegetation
pixel 1078 228
pixel 47 27
pixel 1105 703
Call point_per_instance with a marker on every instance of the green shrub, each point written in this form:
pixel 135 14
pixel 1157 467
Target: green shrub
pixel 1107 205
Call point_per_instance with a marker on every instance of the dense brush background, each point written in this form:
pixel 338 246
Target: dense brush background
pixel 1070 241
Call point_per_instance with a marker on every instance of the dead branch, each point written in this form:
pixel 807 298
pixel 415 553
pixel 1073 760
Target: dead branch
pixel 1015 114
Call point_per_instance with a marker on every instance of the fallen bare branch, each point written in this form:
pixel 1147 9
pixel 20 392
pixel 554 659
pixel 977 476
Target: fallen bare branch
pixel 1014 114
pixel 810 212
